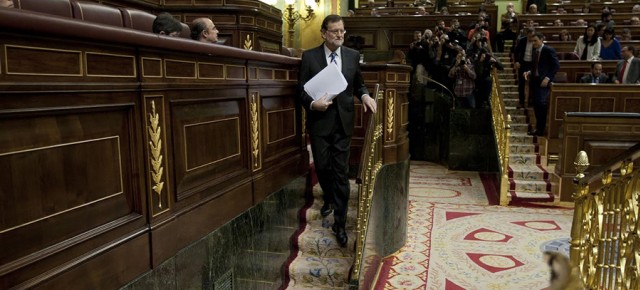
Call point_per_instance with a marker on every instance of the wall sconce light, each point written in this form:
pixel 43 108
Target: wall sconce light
pixel 292 16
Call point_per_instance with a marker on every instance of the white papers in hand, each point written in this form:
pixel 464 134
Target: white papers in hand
pixel 328 81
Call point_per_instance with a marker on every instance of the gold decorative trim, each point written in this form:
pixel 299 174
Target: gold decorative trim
pixel 133 64
pixel 151 58
pixel 390 114
pixel 186 156
pixel 78 52
pixel 255 130
pixel 294 125
pixel 247 43
pixel 155 147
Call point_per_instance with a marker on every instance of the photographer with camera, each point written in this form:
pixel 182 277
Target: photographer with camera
pixel 481 25
pixel 485 63
pixel 464 75
pixel 456 33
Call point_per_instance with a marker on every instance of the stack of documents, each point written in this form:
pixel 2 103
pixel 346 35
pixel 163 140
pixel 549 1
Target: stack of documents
pixel 329 81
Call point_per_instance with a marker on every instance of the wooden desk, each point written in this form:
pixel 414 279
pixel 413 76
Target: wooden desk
pixel 568 46
pixel 571 97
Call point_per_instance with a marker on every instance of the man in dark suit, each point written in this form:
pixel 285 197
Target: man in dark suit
pixel 596 76
pixel 543 71
pixel 523 60
pixel 628 69
pixel 330 122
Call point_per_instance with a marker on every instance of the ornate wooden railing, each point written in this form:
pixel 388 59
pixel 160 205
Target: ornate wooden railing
pixel 502 131
pixel 371 159
pixel 605 236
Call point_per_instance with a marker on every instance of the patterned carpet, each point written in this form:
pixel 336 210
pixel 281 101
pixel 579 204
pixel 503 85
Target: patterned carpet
pixel 456 241
pixel 318 262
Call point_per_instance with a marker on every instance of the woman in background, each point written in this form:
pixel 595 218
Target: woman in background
pixel 588 45
pixel 611 48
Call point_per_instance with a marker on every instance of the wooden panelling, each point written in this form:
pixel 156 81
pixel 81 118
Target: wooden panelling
pixel 235 72
pixel 587 98
pixel 200 126
pixel 180 69
pixel 109 65
pixel 214 71
pixel 24 60
pixel 151 67
pixel 602 136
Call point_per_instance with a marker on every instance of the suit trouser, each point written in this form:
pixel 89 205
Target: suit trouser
pixel 540 103
pixel 331 161
pixel 524 67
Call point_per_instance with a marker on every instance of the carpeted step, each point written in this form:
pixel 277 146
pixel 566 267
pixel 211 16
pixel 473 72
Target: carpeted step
pixel 312 272
pixel 313 216
pixel 510 102
pixel 522 119
pixel 517 138
pixel 526 172
pixel 514 111
pixel 530 197
pixel 321 242
pixel 519 128
pixel 509 88
pixel 318 261
pixel 523 149
pixel 533 186
pixel 511 95
pixel 525 159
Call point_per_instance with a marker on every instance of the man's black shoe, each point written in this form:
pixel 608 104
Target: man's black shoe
pixel 326 210
pixel 341 235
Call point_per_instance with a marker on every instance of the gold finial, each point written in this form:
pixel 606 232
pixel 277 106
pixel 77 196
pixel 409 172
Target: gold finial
pixel 607 176
pixel 626 167
pixel 581 163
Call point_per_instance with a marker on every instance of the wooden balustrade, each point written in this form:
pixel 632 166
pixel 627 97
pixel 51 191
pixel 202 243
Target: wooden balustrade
pixel 604 238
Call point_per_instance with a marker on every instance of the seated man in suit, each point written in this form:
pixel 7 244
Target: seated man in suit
pixel 165 24
pixel 6 3
pixel 628 69
pixel 596 76
pixel 203 29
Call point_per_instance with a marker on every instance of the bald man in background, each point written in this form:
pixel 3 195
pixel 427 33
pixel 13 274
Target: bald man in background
pixel 203 29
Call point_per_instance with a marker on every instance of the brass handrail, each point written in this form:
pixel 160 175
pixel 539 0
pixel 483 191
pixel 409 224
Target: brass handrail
pixel 502 131
pixel 370 164
pixel 452 95
pixel 605 235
